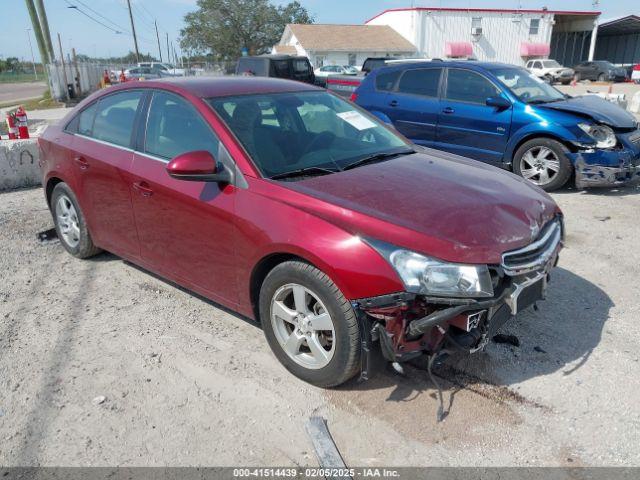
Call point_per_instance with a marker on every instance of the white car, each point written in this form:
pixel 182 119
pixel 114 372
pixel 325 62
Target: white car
pixel 550 71
pixel 165 69
pixel 323 72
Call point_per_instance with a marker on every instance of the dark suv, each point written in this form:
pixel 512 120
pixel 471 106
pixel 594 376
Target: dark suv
pixel 279 66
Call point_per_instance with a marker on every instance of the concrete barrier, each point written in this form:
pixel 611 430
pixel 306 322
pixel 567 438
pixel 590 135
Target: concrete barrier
pixel 19 164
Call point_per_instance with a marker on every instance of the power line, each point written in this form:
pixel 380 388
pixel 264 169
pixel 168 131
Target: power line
pixel 75 7
pixel 120 27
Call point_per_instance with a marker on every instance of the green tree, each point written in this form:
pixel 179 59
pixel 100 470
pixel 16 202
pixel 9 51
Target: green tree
pixel 224 27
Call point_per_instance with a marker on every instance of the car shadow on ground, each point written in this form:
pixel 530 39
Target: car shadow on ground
pixel 559 337
pixel 620 191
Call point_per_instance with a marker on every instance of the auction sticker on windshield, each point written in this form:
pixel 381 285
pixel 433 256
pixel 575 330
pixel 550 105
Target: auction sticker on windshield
pixel 356 120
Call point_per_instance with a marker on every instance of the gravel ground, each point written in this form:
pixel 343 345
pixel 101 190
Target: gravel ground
pixel 103 364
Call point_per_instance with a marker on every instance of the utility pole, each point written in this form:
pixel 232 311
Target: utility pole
pixel 75 64
pixel 37 31
pixel 64 70
pixel 33 60
pixel 168 52
pixel 158 37
pixel 44 24
pixel 133 30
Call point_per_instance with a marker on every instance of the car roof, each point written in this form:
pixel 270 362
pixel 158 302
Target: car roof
pixel 471 64
pixel 207 87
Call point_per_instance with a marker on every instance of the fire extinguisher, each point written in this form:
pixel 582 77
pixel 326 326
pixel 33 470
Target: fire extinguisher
pixel 11 125
pixel 22 121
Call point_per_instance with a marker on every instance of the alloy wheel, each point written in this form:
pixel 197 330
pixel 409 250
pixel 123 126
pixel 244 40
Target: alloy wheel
pixel 303 326
pixel 540 165
pixel 67 218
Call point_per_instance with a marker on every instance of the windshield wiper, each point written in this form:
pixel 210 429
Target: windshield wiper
pixel 377 157
pixel 541 101
pixel 301 172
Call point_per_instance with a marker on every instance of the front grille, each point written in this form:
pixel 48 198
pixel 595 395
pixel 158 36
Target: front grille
pixel 537 254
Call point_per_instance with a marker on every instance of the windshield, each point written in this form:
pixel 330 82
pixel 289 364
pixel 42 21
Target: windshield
pixel 551 64
pixel 286 132
pixel 526 86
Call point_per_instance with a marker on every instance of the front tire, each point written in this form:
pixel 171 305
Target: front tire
pixel 543 162
pixel 70 223
pixel 602 77
pixel 309 324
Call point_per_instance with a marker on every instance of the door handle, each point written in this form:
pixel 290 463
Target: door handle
pixel 81 162
pixel 393 103
pixel 143 188
pixel 448 110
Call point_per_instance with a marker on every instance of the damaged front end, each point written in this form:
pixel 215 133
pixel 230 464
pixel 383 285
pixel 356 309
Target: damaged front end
pixel 617 166
pixel 408 325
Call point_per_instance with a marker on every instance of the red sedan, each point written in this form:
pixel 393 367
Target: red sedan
pixel 296 208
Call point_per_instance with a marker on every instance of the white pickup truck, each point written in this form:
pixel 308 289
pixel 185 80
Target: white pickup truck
pixel 550 71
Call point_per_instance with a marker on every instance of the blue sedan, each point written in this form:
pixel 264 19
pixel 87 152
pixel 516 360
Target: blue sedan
pixel 503 115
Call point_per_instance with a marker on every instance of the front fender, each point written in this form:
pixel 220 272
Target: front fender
pixel 280 227
pixel 538 129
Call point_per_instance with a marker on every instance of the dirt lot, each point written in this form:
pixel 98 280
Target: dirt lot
pixel 187 383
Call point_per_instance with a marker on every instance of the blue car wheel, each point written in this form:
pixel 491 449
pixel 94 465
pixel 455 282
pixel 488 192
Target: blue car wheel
pixel 543 162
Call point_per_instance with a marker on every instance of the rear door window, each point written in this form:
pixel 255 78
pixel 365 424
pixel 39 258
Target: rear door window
pixel 115 117
pixel 386 81
pixel 470 87
pixel 421 81
pixel 175 127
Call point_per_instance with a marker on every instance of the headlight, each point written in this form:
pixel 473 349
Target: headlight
pixel 603 135
pixel 428 276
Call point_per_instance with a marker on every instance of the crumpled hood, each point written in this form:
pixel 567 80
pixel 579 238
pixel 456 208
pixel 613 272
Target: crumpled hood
pixel 435 203
pixel 597 108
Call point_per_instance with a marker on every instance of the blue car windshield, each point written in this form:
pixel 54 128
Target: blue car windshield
pixel 526 86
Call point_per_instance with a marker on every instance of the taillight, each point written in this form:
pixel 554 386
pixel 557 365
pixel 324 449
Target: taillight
pixel 353 97
pixel 636 68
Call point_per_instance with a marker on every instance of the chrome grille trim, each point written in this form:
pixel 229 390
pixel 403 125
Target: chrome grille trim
pixel 544 249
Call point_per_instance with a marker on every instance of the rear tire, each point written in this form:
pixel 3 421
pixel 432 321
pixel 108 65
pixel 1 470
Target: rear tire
pixel 602 78
pixel 543 162
pixel 70 223
pixel 302 293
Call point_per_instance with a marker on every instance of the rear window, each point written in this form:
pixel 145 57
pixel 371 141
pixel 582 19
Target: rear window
pixel 254 66
pixel 386 81
pixel 423 81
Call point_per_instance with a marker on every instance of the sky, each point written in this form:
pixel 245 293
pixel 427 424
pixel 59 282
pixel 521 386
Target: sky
pixel 91 38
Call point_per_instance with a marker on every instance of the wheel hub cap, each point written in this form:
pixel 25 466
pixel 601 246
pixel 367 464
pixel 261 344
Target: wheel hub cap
pixel 302 325
pixel 68 223
pixel 540 165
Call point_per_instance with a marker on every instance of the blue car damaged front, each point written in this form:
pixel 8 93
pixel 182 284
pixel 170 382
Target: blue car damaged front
pixel 500 114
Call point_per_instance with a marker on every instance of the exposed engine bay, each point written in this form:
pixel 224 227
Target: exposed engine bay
pixel 406 326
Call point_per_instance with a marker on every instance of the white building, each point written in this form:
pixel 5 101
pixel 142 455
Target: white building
pixel 342 44
pixel 509 36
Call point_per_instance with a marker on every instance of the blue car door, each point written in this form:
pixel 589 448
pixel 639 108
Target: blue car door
pixel 413 104
pixel 466 124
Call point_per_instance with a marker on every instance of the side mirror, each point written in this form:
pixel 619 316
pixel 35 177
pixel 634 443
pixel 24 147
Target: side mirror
pixel 498 102
pixel 198 166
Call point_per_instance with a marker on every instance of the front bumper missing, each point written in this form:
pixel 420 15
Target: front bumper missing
pixel 606 168
pixel 383 321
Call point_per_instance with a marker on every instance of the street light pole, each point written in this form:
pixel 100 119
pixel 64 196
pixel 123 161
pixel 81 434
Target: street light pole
pixel 33 60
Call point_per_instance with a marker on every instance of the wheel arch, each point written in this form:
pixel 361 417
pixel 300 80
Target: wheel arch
pixel 533 135
pixel 50 185
pixel 260 272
